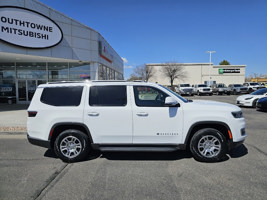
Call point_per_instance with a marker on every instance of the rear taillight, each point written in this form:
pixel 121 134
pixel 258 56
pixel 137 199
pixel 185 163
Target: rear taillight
pixel 32 113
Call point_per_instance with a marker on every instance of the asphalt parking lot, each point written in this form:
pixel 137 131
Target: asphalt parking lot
pixel 31 172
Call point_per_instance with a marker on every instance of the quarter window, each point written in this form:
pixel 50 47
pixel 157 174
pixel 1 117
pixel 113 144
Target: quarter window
pixel 108 96
pixel 149 96
pixel 62 96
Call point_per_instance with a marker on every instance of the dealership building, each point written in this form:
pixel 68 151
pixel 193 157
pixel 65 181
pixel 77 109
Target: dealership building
pixel 197 73
pixel 39 44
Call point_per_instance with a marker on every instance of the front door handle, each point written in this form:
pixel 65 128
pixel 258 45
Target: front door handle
pixel 94 114
pixel 142 114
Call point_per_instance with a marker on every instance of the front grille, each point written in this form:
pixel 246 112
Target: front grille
pixel 243 89
pixel 206 89
pixel 187 90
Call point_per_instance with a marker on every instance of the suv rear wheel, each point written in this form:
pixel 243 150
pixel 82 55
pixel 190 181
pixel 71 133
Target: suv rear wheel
pixel 72 146
pixel 208 145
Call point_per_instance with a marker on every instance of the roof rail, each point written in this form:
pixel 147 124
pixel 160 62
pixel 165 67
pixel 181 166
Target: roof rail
pixel 57 82
pixel 108 81
pixel 138 81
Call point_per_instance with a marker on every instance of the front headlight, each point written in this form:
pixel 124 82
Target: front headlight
pixel 248 98
pixel 237 114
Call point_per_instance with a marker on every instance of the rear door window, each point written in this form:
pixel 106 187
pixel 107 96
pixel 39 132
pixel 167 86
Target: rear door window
pixel 108 95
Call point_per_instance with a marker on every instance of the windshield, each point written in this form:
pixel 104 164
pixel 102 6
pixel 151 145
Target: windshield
pixel 260 92
pixel 184 100
pixel 254 84
pixel 221 86
pixel 203 85
pixel 184 85
pixel 237 85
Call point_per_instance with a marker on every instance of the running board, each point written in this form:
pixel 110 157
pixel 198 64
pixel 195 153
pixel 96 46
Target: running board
pixel 139 149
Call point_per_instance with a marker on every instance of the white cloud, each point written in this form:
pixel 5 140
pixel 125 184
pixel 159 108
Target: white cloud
pixel 124 60
pixel 128 67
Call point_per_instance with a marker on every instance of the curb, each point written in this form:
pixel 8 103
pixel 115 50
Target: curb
pixel 12 133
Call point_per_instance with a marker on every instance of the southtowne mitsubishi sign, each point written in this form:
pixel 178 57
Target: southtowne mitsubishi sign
pixel 28 28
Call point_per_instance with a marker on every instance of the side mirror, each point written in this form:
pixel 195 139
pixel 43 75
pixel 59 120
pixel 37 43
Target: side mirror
pixel 171 102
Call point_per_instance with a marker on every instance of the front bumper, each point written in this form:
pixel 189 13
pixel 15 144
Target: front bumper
pixel 38 142
pixel 186 92
pixel 243 103
pixel 205 92
pixel 233 145
pixel 261 106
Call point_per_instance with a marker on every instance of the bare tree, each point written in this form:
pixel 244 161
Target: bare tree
pixel 173 70
pixel 133 78
pixel 143 72
pixel 150 71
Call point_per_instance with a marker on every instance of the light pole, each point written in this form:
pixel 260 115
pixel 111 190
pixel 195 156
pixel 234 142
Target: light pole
pixel 210 52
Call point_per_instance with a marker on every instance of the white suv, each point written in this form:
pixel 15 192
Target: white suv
pixel 200 89
pixel 252 86
pixel 76 118
pixel 184 89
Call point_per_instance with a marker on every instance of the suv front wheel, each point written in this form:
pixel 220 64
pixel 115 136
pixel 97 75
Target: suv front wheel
pixel 72 146
pixel 208 145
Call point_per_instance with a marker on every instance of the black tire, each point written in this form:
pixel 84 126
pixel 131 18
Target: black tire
pixel 76 143
pixel 208 138
pixel 210 94
pixel 254 103
pixel 235 93
pixel 250 90
pixel 198 93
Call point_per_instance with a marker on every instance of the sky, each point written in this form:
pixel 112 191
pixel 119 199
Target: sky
pixel 157 31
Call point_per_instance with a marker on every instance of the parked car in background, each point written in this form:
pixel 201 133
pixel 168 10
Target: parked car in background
pixel 201 89
pixel 220 89
pixel 252 86
pixel 238 88
pixel 250 100
pixel 262 104
pixel 184 89
pixel 263 84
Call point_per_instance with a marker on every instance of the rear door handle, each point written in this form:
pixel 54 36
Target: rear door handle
pixel 94 114
pixel 142 114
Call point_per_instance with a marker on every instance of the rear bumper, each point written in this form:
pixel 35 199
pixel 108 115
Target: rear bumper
pixel 38 142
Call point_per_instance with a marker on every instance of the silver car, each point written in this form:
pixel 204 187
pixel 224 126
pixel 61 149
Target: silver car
pixel 184 89
pixel 238 89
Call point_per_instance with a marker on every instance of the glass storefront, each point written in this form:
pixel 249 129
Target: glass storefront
pixel 18 81
pixel 7 82
pixel 106 73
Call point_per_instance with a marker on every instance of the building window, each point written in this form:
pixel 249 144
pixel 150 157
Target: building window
pixel 79 71
pixel 100 72
pixel 58 71
pixel 31 70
